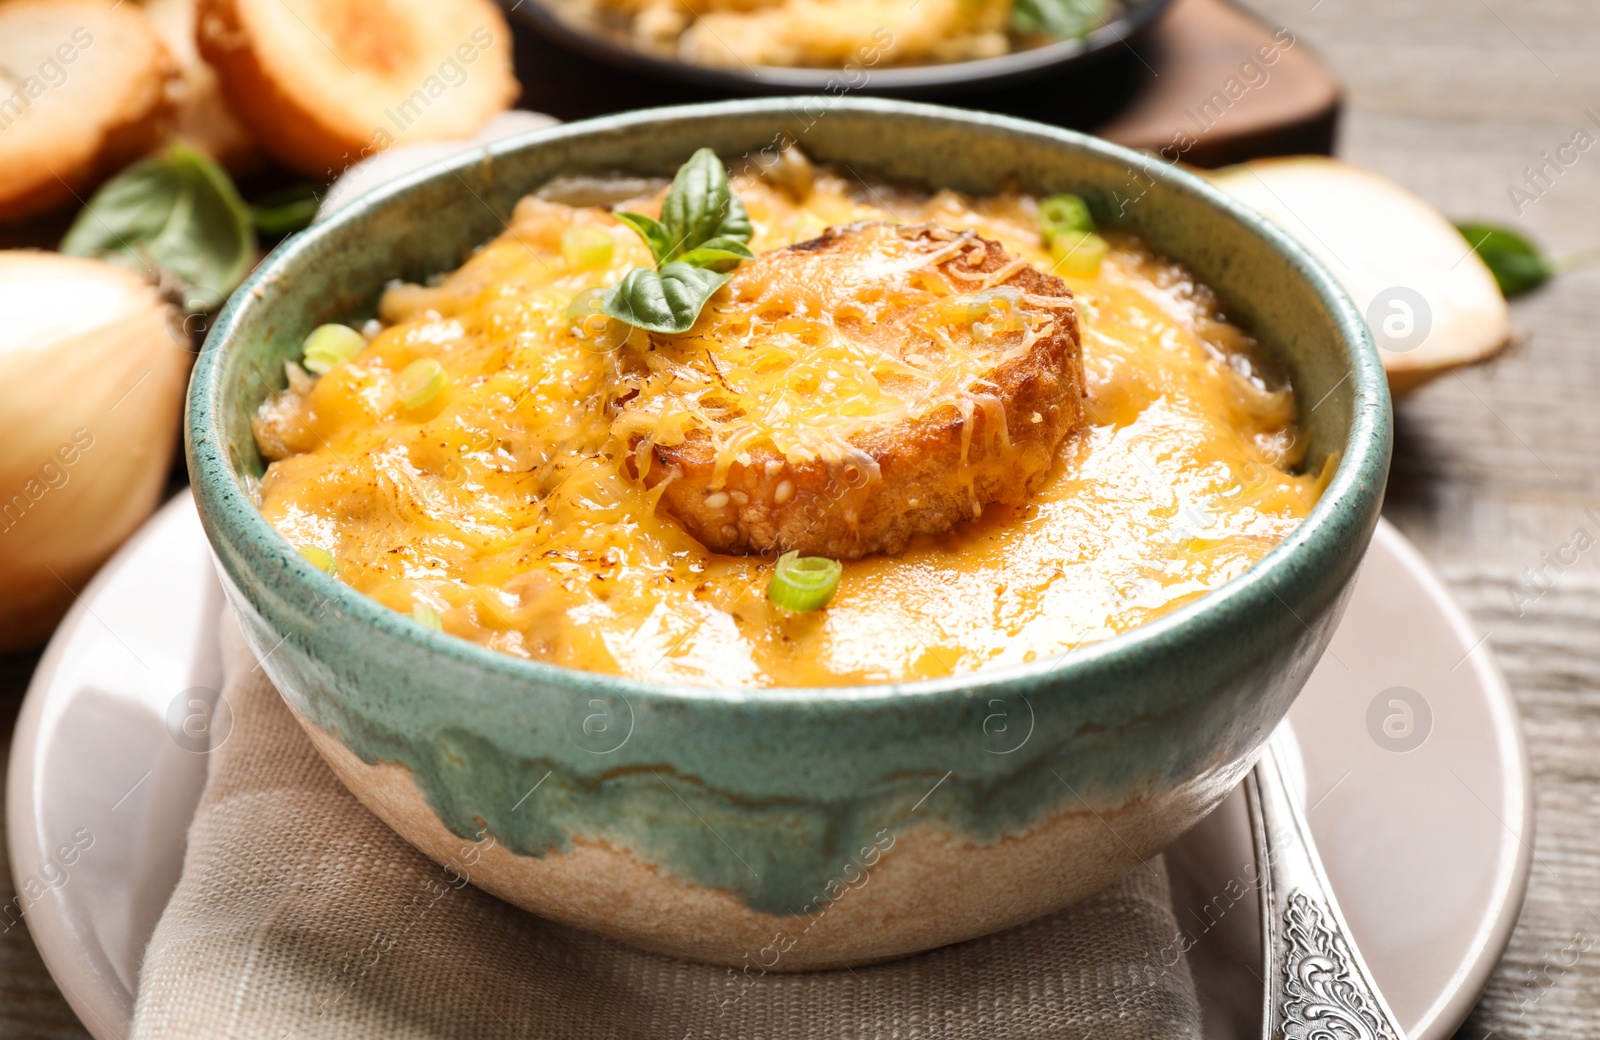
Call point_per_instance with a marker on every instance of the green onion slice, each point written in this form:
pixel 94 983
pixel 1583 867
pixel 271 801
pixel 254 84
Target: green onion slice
pixel 427 617
pixel 320 558
pixel 586 247
pixel 330 346
pixel 803 583
pixel 1060 214
pixel 420 382
pixel 1078 253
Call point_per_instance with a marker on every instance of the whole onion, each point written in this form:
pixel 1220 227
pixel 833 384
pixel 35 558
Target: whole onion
pixel 93 364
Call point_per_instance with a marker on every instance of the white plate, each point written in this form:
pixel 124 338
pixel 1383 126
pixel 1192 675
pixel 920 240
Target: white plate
pixel 1427 848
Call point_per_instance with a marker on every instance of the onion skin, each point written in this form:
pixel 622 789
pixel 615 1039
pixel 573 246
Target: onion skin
pixel 93 364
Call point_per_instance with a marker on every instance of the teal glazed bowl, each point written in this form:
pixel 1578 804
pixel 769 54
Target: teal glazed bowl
pixel 788 829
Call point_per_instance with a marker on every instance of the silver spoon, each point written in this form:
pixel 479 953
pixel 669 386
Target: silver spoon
pixel 1317 986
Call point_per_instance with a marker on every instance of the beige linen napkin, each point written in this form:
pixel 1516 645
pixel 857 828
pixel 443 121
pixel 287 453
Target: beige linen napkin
pixel 300 915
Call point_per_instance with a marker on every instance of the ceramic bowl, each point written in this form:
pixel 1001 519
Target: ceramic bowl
pixel 864 75
pixel 783 829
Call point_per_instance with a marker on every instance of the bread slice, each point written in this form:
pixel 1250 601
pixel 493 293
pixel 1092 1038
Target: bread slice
pixel 203 117
pixel 324 83
pixel 970 376
pixel 84 89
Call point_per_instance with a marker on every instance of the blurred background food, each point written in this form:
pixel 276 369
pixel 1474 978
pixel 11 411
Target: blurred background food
pixel 830 33
pixel 89 86
pixel 203 117
pixel 89 90
pixel 326 83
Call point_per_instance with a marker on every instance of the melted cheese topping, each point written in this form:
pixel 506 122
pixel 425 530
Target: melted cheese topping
pixel 504 501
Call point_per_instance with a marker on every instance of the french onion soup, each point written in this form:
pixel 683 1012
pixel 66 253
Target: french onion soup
pixel 787 428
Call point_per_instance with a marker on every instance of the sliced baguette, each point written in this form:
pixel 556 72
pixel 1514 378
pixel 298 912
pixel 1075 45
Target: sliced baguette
pixel 85 87
pixel 203 117
pixel 324 83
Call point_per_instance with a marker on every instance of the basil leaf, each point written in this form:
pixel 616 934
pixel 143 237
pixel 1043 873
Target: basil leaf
pixel 719 254
pixel 701 236
pixel 712 259
pixel 729 244
pixel 668 300
pixel 1062 214
pixel 1063 19
pixel 700 206
pixel 654 234
pixel 1515 262
pixel 735 223
pixel 176 214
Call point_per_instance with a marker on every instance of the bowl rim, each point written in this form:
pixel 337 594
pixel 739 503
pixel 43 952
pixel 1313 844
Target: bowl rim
pixel 997 71
pixel 1356 487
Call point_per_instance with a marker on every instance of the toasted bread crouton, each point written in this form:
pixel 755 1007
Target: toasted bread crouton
pixel 203 118
pixel 324 83
pixel 84 90
pixel 846 394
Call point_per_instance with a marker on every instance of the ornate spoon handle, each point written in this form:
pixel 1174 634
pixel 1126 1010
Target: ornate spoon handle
pixel 1317 987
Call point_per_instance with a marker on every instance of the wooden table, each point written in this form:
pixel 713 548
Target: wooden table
pixel 1493 468
pixel 1496 467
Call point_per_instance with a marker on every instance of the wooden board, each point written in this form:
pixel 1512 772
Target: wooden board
pixel 1224 86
